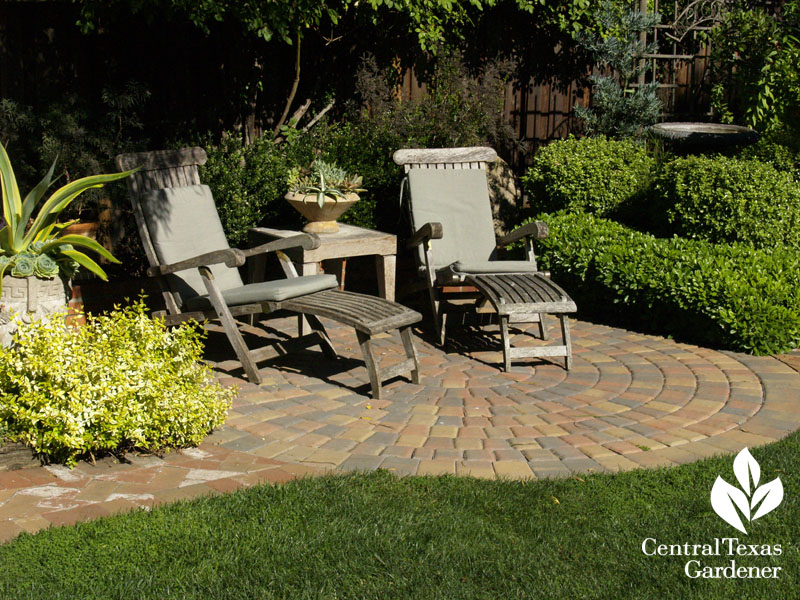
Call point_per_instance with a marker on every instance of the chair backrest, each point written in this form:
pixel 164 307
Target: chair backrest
pixel 176 217
pixel 449 186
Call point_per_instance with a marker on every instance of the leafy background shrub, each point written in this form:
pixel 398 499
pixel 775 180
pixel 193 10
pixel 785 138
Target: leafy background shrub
pixel 728 295
pixel 122 381
pixel 247 182
pixel 755 58
pixel 83 135
pixel 460 109
pixel 726 199
pixel 594 175
pixel 358 146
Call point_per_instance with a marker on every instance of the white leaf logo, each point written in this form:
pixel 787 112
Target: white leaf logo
pixel 725 498
pixel 745 467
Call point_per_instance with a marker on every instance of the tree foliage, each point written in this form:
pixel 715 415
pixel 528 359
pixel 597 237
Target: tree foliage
pixel 755 57
pixel 429 19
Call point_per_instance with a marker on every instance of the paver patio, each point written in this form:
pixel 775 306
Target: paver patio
pixel 630 401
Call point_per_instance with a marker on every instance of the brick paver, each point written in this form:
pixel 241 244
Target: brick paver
pixel 630 401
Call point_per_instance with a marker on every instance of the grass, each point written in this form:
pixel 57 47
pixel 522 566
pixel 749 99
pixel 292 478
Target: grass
pixel 377 536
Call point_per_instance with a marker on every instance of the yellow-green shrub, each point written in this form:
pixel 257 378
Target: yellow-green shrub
pixel 122 381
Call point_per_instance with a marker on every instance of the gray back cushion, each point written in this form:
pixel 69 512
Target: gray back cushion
pixel 459 200
pixel 183 223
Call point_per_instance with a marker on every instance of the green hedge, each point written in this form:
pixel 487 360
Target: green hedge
pixel 775 151
pixel 593 175
pixel 723 199
pixel 727 296
pixel 248 183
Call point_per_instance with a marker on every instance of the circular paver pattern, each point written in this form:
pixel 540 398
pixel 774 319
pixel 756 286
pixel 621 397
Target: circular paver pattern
pixel 630 400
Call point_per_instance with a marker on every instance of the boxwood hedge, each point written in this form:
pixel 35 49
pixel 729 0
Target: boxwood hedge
pixel 594 175
pixel 724 199
pixel 728 296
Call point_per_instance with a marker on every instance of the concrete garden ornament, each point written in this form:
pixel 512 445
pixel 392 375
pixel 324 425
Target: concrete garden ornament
pixel 752 501
pixel 36 258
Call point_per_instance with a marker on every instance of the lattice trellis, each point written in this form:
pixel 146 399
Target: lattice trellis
pixel 696 14
pixel 681 64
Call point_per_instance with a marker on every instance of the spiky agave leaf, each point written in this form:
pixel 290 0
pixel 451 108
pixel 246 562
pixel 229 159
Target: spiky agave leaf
pixel 78 240
pixel 62 197
pixel 12 204
pixel 85 261
pixel 30 202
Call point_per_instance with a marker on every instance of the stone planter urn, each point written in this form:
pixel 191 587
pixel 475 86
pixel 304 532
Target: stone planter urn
pixel 25 299
pixel 321 219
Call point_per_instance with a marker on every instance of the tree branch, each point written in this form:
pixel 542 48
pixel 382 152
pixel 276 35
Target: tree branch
pixel 300 112
pixel 318 116
pixel 293 91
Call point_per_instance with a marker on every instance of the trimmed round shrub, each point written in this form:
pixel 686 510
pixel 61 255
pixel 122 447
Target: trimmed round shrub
pixel 723 200
pixel 120 382
pixel 729 296
pixel 592 175
pixel 776 153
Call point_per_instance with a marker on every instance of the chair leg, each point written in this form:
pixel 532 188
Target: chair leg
pixel 365 341
pixel 411 352
pixel 240 348
pixel 542 329
pixel 506 342
pixel 567 341
pixel 231 327
pixel 443 325
pixel 438 317
pixel 325 342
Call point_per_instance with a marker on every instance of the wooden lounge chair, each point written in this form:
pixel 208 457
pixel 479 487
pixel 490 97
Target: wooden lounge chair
pixel 448 196
pixel 198 271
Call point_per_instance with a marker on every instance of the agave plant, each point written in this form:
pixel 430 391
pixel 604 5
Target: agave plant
pixel 34 245
pixel 324 179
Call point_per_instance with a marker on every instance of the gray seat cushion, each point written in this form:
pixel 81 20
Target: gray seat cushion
pixel 459 200
pixel 493 266
pixel 183 223
pixel 268 291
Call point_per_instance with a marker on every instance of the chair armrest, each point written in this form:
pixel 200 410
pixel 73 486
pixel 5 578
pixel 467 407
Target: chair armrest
pixel 308 241
pixel 537 230
pixel 429 231
pixel 230 256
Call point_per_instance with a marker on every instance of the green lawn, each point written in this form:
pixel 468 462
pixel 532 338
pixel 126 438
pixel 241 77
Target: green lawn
pixel 377 536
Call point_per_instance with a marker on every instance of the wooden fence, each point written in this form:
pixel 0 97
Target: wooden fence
pixel 544 112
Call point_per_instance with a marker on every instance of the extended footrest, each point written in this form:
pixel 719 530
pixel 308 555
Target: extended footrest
pixel 369 316
pixel 526 298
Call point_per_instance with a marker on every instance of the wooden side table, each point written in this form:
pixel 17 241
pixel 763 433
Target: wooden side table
pixel 349 241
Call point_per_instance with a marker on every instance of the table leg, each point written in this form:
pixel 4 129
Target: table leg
pixel 338 267
pixel 257 268
pixel 386 265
